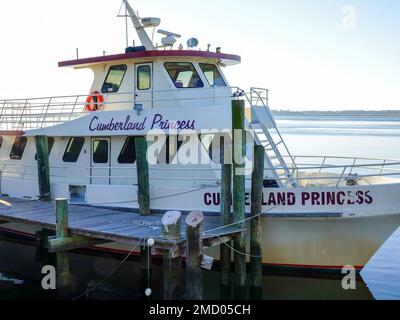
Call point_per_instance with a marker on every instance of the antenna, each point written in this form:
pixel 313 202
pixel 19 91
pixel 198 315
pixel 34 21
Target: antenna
pixel 126 27
pixel 143 36
pixel 169 39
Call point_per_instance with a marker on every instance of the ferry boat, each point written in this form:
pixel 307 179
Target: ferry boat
pixel 319 213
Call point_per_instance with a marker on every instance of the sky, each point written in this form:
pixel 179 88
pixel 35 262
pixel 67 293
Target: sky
pixel 310 54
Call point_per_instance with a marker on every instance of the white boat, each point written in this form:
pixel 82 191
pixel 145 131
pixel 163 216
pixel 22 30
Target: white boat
pixel 318 212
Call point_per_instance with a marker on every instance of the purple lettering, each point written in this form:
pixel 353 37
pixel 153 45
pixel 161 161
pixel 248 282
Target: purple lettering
pixel 368 198
pixel 207 199
pixel 340 198
pixel 305 196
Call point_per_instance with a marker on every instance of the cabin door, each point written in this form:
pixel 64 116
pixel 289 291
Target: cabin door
pixel 144 85
pixel 100 169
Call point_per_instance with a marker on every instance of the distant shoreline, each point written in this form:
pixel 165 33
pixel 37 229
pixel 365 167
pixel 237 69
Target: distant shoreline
pixel 384 113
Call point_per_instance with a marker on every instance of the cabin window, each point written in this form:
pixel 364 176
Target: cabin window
pixel 184 75
pixel 128 152
pixel 1 141
pixel 169 150
pixel 100 151
pixel 114 79
pixel 50 144
pixel 73 149
pixel 18 148
pixel 213 143
pixel 143 78
pixel 213 75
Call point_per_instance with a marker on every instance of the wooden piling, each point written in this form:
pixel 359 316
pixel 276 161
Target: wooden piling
pixel 226 219
pixel 63 268
pixel 255 225
pixel 142 167
pixel 42 254
pixel 194 250
pixel 42 151
pixel 172 263
pixel 142 175
pixel 239 196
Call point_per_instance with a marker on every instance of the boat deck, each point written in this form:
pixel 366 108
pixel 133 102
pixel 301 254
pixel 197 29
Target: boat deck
pixel 106 224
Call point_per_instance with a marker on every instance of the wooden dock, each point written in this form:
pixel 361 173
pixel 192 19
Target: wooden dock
pixel 106 224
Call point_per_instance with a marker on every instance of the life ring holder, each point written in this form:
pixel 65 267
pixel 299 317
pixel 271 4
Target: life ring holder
pixel 94 102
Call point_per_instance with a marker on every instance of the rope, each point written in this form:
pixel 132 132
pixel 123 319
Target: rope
pixel 88 290
pixel 241 253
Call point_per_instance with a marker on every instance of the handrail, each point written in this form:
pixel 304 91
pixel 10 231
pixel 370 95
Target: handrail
pixel 34 113
pixel 345 158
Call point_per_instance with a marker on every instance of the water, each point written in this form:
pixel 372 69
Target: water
pixel 24 282
pixel 365 136
pixel 340 135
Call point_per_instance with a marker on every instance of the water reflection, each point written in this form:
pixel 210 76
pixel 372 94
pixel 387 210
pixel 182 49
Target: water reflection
pixel 21 275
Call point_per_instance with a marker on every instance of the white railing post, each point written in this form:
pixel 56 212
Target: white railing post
pixel 354 164
pixel 322 165
pixel 45 113
pixel 383 167
pixel 341 176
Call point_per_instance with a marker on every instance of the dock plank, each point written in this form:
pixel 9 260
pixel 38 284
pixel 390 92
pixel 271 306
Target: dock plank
pixel 102 223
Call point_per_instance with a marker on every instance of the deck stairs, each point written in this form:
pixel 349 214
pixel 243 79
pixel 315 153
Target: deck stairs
pixel 266 133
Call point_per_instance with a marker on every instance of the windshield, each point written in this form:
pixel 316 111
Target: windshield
pixel 184 75
pixel 213 75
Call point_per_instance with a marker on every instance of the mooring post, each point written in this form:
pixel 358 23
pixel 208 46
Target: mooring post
pixel 172 263
pixel 43 254
pixel 42 151
pixel 63 270
pixel 226 219
pixel 255 224
pixel 142 175
pixel 142 167
pixel 194 250
pixel 239 196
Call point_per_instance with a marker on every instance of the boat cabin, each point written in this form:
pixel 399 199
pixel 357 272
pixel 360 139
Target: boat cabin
pixel 158 78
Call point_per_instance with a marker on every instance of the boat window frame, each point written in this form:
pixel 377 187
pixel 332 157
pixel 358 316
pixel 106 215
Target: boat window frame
pixel 202 64
pixel 174 81
pixel 110 69
pixel 224 140
pixel 19 156
pixel 164 157
pixel 70 141
pixel 124 147
pixel 95 155
pixel 150 76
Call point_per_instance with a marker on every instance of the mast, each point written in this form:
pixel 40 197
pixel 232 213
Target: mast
pixel 143 36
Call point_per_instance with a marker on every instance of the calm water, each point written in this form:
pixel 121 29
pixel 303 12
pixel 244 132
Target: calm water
pixel 338 136
pixel 24 280
pixel 364 136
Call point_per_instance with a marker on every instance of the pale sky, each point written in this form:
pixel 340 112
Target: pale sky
pixel 310 54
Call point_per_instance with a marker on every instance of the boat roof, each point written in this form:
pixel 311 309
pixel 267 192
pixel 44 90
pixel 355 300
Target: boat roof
pixel 226 59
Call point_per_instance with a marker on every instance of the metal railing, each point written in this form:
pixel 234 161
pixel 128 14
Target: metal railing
pixel 34 113
pixel 340 169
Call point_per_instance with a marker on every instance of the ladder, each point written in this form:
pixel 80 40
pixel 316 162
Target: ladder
pixel 266 133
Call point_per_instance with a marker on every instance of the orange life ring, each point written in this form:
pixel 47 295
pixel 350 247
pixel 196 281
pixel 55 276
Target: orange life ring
pixel 94 102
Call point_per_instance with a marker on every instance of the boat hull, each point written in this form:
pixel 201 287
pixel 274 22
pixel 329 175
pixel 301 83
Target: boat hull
pixel 310 244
